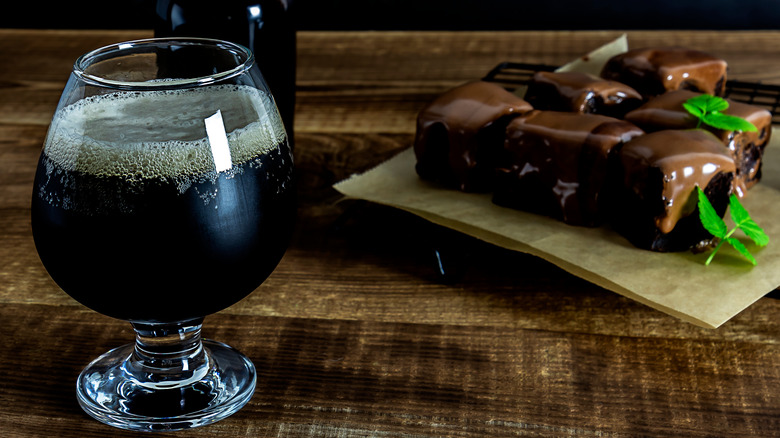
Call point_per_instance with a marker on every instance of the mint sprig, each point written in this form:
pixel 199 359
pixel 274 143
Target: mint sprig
pixel 709 109
pixel 717 227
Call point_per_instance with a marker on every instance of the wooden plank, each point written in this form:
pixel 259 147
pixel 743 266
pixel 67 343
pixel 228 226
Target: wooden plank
pixel 320 377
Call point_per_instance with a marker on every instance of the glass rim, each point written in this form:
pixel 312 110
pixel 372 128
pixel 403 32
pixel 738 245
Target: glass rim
pixel 87 59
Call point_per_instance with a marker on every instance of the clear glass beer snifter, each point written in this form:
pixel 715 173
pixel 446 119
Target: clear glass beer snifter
pixel 164 193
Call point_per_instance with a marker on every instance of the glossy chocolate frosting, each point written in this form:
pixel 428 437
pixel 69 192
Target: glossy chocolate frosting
pixel 679 160
pixel 747 148
pixel 653 71
pixel 556 163
pixel 460 133
pixel 581 93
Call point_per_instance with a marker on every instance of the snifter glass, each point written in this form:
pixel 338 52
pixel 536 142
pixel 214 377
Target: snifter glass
pixel 164 193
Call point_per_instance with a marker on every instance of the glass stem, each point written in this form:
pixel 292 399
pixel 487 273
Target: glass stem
pixel 168 356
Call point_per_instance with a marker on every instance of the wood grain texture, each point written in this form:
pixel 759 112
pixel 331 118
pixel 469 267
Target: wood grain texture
pixel 355 334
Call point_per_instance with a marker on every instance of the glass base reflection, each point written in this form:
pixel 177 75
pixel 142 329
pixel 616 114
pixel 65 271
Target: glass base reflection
pixel 115 388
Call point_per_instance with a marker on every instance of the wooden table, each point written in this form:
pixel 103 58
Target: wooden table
pixel 355 334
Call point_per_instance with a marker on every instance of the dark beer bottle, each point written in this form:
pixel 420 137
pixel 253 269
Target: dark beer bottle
pixel 266 27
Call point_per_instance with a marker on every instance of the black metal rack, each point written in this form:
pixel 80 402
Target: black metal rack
pixel 511 75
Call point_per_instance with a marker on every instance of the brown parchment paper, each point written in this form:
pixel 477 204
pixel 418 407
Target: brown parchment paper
pixel 678 284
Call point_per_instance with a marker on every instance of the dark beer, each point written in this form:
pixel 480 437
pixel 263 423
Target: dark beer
pixel 150 230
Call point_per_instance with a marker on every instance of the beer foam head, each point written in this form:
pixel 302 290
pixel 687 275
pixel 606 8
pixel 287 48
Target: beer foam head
pixel 162 133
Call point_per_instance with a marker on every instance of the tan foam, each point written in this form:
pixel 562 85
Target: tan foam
pixel 161 134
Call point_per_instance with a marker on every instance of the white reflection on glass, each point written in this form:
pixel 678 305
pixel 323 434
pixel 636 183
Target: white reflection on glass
pixel 220 150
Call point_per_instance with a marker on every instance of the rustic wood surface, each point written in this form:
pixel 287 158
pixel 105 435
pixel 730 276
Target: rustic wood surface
pixel 355 334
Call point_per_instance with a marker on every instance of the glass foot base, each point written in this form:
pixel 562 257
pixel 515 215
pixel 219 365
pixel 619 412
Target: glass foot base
pixel 112 390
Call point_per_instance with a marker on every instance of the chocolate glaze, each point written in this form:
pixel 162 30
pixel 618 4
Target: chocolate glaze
pixel 656 176
pixel 653 71
pixel 581 93
pixel 555 163
pixel 747 148
pixel 461 132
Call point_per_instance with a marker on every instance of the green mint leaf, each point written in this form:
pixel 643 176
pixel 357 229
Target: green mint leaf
pixel 708 103
pixel 728 123
pixel 701 101
pixel 738 213
pixel 708 109
pixel 755 232
pixel 694 110
pixel 709 217
pixel 716 104
pixel 741 249
pixel 742 219
pixel 715 225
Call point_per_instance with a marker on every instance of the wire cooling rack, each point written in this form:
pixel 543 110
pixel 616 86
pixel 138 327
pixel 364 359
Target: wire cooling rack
pixel 512 75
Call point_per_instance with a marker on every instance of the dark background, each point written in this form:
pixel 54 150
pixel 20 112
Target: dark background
pixel 429 14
